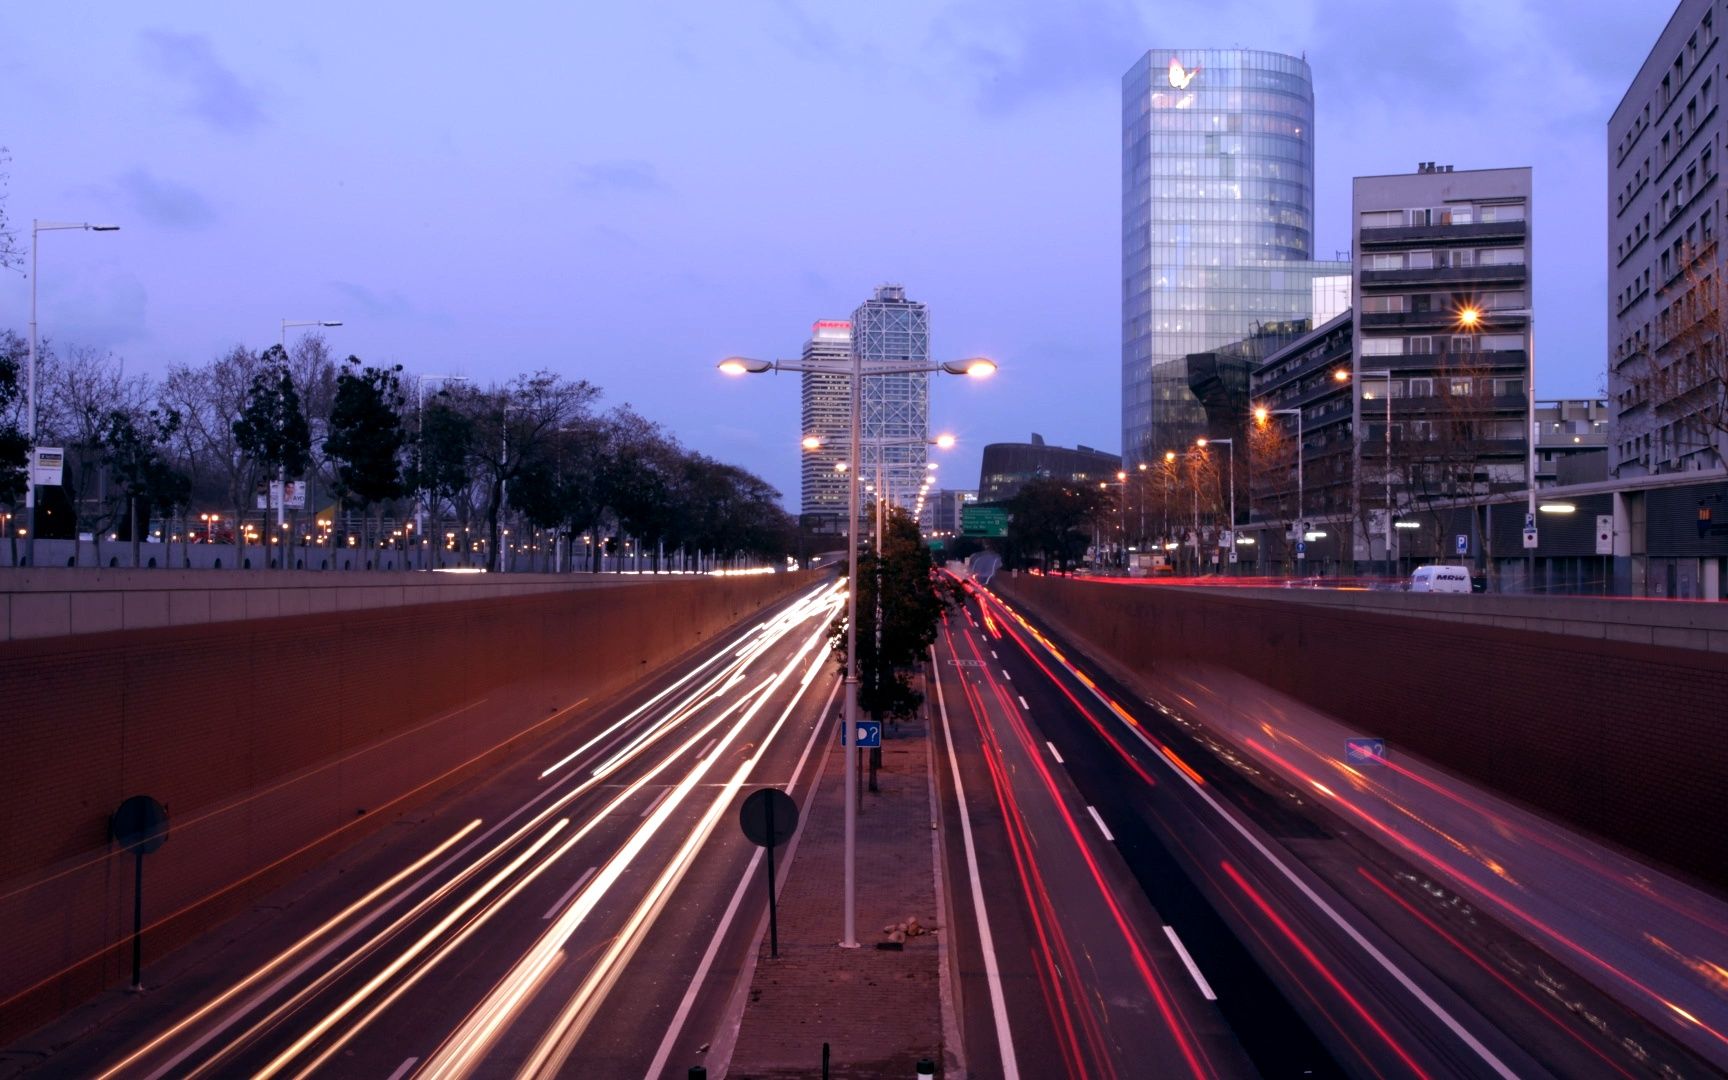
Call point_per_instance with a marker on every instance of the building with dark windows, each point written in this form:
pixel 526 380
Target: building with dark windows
pixel 826 414
pixel 1303 468
pixel 1217 222
pixel 944 506
pixel 1571 442
pixel 890 329
pixel 1442 314
pixel 1007 466
pixel 1665 283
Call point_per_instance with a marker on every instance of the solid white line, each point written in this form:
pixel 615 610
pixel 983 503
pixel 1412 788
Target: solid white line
pixel 992 971
pixel 745 881
pixel 1193 968
pixel 1103 828
pixel 1380 958
pixel 1052 746
pixel 402 1069
pixel 562 900
pixel 1023 704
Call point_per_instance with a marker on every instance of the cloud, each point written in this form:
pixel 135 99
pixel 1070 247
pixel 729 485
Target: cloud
pixel 1021 53
pixel 373 304
pixel 215 94
pixel 618 175
pixel 165 202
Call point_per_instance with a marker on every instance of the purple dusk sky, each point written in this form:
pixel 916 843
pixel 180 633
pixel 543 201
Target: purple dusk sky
pixel 628 192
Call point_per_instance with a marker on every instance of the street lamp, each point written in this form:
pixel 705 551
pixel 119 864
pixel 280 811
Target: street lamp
pixel 1473 318
pixel 36 229
pixel 977 367
pixel 1203 442
pixel 1261 415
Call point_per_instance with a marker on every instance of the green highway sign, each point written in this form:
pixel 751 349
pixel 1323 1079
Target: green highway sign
pixel 983 521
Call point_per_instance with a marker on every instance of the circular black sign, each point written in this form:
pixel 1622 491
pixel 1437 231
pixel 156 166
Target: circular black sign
pixel 764 808
pixel 141 824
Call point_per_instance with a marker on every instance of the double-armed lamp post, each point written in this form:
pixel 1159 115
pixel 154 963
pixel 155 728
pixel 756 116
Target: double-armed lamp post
pixel 977 367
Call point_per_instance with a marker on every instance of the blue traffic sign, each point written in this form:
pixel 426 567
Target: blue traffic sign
pixel 1462 541
pixel 1365 751
pixel 869 735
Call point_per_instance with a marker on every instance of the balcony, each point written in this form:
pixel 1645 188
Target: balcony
pixel 1507 274
pixel 1406 235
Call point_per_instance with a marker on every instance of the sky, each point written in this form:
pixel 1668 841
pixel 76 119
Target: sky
pixel 627 193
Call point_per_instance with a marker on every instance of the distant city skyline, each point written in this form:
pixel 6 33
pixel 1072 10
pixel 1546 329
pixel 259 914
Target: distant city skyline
pixel 629 195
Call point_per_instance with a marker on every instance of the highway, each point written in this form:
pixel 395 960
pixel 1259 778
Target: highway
pixel 1332 944
pixel 587 910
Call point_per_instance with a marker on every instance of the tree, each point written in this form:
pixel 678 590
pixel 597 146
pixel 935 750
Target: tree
pixel 366 436
pixel 10 256
pixel 438 468
pixel 146 479
pixel 14 443
pixel 515 428
pixel 272 428
pixel 73 410
pixel 901 599
pixel 207 399
pixel 1053 520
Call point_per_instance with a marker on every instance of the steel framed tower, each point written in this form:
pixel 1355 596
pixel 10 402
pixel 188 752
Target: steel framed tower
pixel 888 328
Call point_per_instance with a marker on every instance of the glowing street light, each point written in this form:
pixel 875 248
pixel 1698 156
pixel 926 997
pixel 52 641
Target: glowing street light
pixel 975 367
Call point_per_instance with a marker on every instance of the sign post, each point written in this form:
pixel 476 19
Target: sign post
pixel 768 817
pixel 141 824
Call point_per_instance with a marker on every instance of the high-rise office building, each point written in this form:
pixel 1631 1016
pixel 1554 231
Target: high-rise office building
pixel 890 329
pixel 1665 291
pixel 827 415
pixel 1217 222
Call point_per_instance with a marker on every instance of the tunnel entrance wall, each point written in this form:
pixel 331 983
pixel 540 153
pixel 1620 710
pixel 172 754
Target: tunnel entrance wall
pixel 274 743
pixel 1628 741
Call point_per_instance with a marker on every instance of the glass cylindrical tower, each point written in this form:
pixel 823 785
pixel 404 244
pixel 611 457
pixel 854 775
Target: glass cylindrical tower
pixel 1217 221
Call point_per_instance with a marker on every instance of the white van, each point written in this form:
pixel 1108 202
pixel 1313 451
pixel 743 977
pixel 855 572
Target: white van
pixel 1447 579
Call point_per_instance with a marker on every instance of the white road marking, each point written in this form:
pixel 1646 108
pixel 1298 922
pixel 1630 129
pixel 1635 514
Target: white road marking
pixel 402 1069
pixel 1193 968
pixel 1023 704
pixel 1103 828
pixel 707 748
pixel 655 804
pixel 562 900
pixel 992 970
pixel 745 882
pixel 1434 1007
pixel 1052 746
pixel 1007 676
pixel 993 655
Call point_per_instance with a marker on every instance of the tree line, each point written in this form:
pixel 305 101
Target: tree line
pixel 378 452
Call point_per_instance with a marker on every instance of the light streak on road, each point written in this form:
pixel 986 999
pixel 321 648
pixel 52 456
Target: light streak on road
pixel 227 1008
pixel 355 999
pixel 288 954
pixel 467 1047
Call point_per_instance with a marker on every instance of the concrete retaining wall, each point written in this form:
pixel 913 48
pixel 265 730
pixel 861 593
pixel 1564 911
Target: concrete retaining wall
pixel 59 602
pixel 1626 739
pixel 275 742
